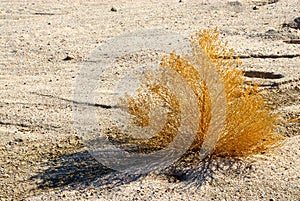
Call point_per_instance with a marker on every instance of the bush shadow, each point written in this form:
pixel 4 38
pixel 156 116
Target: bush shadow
pixel 77 171
pixel 205 171
pixel 80 170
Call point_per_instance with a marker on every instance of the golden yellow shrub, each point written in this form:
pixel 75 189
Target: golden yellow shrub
pixel 249 124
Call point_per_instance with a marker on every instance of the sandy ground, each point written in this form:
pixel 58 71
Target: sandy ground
pixel 42 157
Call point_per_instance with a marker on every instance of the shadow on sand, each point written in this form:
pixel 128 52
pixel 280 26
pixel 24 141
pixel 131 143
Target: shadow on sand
pixel 78 170
pixel 81 170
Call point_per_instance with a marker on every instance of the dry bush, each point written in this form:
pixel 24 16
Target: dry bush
pixel 249 125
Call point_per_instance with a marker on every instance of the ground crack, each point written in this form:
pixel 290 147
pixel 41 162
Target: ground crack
pixel 262 56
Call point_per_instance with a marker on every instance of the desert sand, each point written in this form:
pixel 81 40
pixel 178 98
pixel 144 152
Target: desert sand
pixel 43 45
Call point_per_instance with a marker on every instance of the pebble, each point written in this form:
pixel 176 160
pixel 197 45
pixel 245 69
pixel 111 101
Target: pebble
pixel 295 23
pixel 69 57
pixel 235 3
pixel 5 175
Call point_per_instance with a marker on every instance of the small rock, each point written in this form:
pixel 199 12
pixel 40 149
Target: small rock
pixel 113 9
pixel 5 175
pixel 235 3
pixel 255 8
pixel 19 140
pixel 295 24
pixel 235 6
pixel 2 170
pixel 69 57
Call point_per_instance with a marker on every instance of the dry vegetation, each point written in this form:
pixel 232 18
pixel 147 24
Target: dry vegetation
pixel 249 124
pixel 249 127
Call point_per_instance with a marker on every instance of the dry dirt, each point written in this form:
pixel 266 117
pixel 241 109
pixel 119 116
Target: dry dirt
pixel 42 156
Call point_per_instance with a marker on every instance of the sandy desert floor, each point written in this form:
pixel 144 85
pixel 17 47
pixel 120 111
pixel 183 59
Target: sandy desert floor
pixel 42 156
